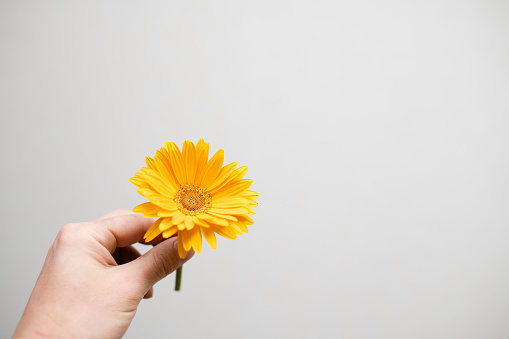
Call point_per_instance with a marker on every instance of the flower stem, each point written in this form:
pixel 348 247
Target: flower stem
pixel 178 278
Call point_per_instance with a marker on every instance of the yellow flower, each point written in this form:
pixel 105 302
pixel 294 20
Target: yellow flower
pixel 193 195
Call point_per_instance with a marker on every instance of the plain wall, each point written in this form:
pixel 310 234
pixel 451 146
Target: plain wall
pixel 376 133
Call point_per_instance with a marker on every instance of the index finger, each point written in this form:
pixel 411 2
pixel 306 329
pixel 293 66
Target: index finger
pixel 126 229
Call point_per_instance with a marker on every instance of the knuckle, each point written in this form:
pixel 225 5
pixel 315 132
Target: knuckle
pixel 68 233
pixel 68 229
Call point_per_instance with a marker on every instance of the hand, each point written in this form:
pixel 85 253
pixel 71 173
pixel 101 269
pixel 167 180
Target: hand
pixel 93 281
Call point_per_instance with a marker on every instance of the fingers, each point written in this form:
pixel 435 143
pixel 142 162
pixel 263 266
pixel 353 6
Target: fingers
pixel 120 212
pixel 157 263
pixel 123 255
pixel 125 229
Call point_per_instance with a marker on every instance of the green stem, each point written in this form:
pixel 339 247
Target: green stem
pixel 178 278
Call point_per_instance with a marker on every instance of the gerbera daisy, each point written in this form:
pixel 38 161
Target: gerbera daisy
pixel 194 196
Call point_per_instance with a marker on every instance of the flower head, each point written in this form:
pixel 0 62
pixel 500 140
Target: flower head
pixel 194 196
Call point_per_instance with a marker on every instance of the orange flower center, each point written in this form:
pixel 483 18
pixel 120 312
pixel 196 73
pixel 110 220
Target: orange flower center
pixel 192 200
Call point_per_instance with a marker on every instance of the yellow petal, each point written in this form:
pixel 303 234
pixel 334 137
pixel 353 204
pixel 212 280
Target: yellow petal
pixel 170 232
pixel 186 239
pixel 189 156
pixel 212 169
pixel 234 189
pixel 242 227
pixel 245 220
pixel 157 199
pixel 249 194
pixel 230 211
pixel 139 180
pixel 235 228
pixel 162 161
pixel 181 226
pixel 165 224
pixel 223 174
pixel 148 209
pixel 177 164
pixel 237 175
pixel 181 250
pixel 178 218
pixel 166 213
pixel 223 216
pixel 153 231
pixel 200 222
pixel 239 226
pixel 229 202
pixel 196 240
pixel 252 203
pixel 210 236
pixel 202 155
pixel 225 232
pixel 213 220
pixel 188 221
pixel 150 163
pixel 158 183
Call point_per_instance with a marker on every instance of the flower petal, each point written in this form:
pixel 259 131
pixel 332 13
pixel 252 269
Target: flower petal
pixel 213 220
pixel 138 180
pixel 235 228
pixel 202 155
pixel 165 224
pixel 178 218
pixel 166 213
pixel 225 232
pixel 153 231
pixel 163 164
pixel 249 194
pixel 229 202
pixel 181 250
pixel 196 240
pixel 200 222
pixel 186 239
pixel 222 216
pixel 210 236
pixel 230 211
pixel 189 156
pixel 245 220
pixel 212 169
pixel 242 227
pixel 177 164
pixel 188 221
pixel 150 163
pixel 234 189
pixel 157 199
pixel 170 232
pixel 223 175
pixel 158 183
pixel 237 175
pixel 148 209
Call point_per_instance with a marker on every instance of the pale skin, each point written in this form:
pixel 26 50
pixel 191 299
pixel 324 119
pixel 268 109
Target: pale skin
pixel 93 280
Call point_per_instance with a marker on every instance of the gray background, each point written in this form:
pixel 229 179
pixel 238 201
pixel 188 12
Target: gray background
pixel 375 131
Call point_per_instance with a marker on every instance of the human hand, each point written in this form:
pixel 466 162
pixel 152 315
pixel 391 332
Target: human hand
pixel 92 280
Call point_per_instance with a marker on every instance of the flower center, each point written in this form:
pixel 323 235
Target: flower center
pixel 192 200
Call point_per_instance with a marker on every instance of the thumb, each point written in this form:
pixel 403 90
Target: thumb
pixel 159 262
